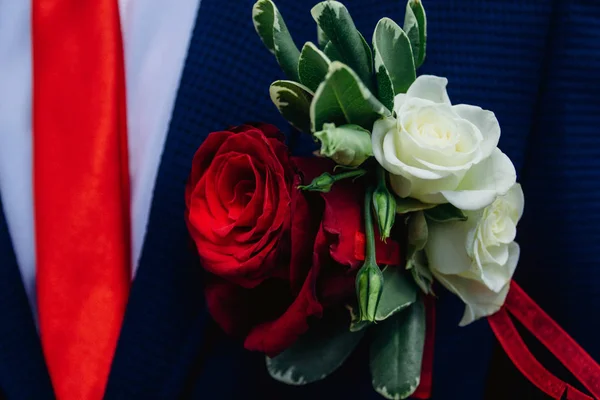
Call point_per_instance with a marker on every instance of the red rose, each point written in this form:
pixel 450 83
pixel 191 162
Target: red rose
pixel 238 202
pixel 274 314
pixel 312 252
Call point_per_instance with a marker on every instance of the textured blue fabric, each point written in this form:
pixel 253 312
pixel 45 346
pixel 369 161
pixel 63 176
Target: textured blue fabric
pixel 560 231
pixel 533 62
pixel 23 374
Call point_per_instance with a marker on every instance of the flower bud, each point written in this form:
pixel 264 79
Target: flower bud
pixel 348 145
pixel 384 203
pixel 325 181
pixel 369 285
pixel 321 183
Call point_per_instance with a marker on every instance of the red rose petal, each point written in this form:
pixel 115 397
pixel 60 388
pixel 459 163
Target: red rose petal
pixel 275 336
pixel 307 210
pixel 242 195
pixel 237 309
pixel 343 218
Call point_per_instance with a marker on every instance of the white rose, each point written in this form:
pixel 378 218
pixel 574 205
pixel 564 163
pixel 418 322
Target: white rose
pixel 476 259
pixel 440 153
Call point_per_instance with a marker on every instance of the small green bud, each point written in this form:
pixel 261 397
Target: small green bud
pixel 321 183
pixel 325 181
pixel 348 145
pixel 384 203
pixel 369 285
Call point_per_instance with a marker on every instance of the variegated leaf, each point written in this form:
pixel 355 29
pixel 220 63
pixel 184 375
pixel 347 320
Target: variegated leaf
pixel 335 20
pixel 313 66
pixel 343 99
pixel 398 293
pixel 394 64
pixel 293 102
pixel 415 26
pixel 396 353
pixel 332 53
pixel 322 38
pixel 317 353
pixel 271 28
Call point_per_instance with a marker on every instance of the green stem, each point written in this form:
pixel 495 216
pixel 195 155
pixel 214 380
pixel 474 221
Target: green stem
pixel 349 174
pixel 369 231
pixel 381 181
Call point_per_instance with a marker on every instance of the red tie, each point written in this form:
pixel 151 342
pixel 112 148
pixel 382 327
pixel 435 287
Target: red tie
pixel 81 189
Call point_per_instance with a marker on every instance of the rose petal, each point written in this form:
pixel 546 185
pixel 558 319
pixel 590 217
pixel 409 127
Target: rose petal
pixel 430 87
pixel 236 309
pixel 516 199
pixel 482 298
pixel 275 336
pixel 343 217
pixel 495 276
pixel 205 154
pixel 485 121
pixel 479 300
pixel 380 129
pixel 446 246
pixel 485 181
pixel 398 167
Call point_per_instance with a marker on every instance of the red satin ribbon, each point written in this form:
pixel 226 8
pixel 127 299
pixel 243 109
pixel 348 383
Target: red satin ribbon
pixel 424 389
pixel 551 335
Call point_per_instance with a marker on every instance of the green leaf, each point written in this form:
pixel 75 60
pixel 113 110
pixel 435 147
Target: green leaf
pixel 293 102
pixel 398 293
pixel 417 233
pixel 271 28
pixel 415 26
pixel 355 322
pixel 317 353
pixel 343 99
pixel 335 20
pixel 445 213
pixel 397 352
pixel 406 205
pixel 421 272
pixel 393 59
pixel 385 88
pixel 332 53
pixel 322 38
pixel 368 51
pixel 313 66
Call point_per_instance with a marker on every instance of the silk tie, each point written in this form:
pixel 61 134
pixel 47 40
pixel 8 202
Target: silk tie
pixel 81 190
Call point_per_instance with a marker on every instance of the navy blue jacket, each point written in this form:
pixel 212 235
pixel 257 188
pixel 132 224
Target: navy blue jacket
pixel 535 63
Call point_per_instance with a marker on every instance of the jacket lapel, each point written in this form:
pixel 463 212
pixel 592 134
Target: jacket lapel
pixel 223 83
pixel 166 305
pixel 23 373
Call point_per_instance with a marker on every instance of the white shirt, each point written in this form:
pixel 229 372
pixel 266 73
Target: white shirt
pixel 156 36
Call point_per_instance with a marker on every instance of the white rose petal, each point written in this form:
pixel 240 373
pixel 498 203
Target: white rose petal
pixel 431 88
pixel 485 121
pixel 493 176
pixel 480 301
pixel 438 153
pixel 448 239
pixel 495 276
pixel 476 259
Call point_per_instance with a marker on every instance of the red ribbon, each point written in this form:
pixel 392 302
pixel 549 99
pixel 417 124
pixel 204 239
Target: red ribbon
pixel 423 391
pixel 551 335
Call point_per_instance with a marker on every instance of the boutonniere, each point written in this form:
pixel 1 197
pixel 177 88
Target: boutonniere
pixel 306 255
